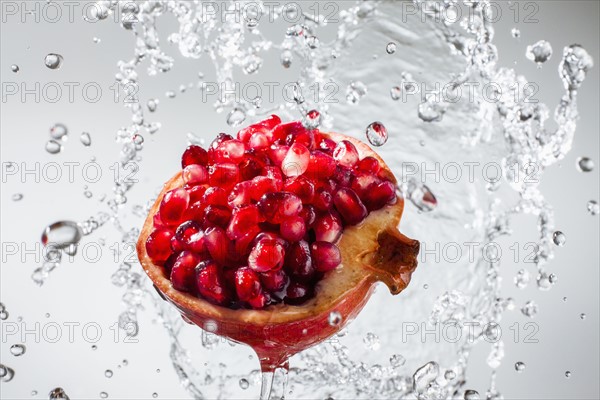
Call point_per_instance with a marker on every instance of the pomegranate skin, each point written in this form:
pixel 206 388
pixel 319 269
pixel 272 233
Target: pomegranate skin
pixel 375 251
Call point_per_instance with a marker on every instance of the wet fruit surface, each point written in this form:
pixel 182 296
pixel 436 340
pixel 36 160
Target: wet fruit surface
pixel 258 217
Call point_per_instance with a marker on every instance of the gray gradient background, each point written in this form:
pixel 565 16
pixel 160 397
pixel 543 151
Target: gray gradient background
pixel 81 292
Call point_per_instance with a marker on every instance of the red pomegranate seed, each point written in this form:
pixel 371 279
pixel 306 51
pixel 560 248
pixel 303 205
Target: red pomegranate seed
pixel 215 196
pixel 328 227
pixel 308 215
pixel 274 281
pixel 277 206
pixel 343 176
pixel 297 293
pixel 289 129
pixel 298 262
pixel 320 165
pixel 267 254
pixel 173 205
pixel 277 153
pixel 327 145
pixel 352 210
pixel 157 222
pixel 194 174
pixel 272 236
pixel 168 266
pixel 242 245
pixel 293 228
pixel 158 245
pixel 217 215
pixel 194 155
pixel 369 164
pixel 322 199
pixel 247 284
pixel 380 195
pixel 221 137
pixel 195 212
pixel 296 160
pixel 326 256
pixel 182 274
pixel 186 230
pixel 177 245
pixel 301 187
pixel 210 283
pixel 197 243
pixel 229 151
pixel 261 185
pixel 259 140
pixel 264 126
pixel 271 122
pixel 224 175
pixel 249 168
pixel 240 194
pixel 345 154
pixel 259 301
pixel 305 137
pixel 217 244
pixel 363 182
pixel 196 192
pixel 273 172
pixel 243 220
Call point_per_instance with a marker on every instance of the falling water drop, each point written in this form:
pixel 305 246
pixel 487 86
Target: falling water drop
pixel 421 196
pixel 335 318
pixel 449 375
pixel 355 91
pixel 6 373
pixel 17 197
pixel 14 68
pixel 58 131
pixel 53 147
pixel 152 104
pixel 592 207
pixel 567 374
pixel 58 394
pixel 62 234
pixel 522 279
pixel 236 117
pixel 377 133
pixel 430 111
pixel 85 139
pixel 286 58
pixel 53 61
pixel 559 238
pixel 34 392
pixel 395 93
pixel 390 48
pixel 471 394
pixel 312 119
pixel 96 40
pixel 371 341
pixel 94 347
pixel 108 373
pixel 312 42
pixel 170 94
pixel 17 350
pixel 154 395
pixel 519 366
pixel 539 52
pixel 530 309
pixel 516 33
pixel 244 384
pixel 582 316
pixel 585 164
pixel 545 281
pixel 397 361
pixel 103 395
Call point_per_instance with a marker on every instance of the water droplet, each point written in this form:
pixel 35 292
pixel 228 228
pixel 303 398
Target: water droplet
pixel 355 91
pixel 103 395
pixel 53 147
pixel 17 350
pixel 582 316
pixel 567 374
pixel 58 394
pixel 430 111
pixel 88 194
pixel 14 68
pixel 335 318
pixel 53 61
pixel 530 309
pixel 539 52
pixel 108 373
pixel 154 395
pixel 592 207
pixel 96 40
pixel 545 281
pixel 312 42
pixel 61 234
pixel 85 139
pixel 390 48
pixel 158 370
pixel 170 94
pixel 522 279
pixel 519 366
pixel 152 104
pixel 585 164
pixel 251 64
pixel 17 197
pixel 421 196
pixel 58 131
pixel 125 362
pixel 471 394
pixel 94 347
pixel 397 361
pixel 565 298
pixel 236 117
pixel 377 133
pixel 312 119
pixel 559 238
pixel 244 384
pixel 395 93
pixel 371 341
pixel 286 58
pixel 47 315
pixel 6 373
pixel 449 375
pixel 515 33
pixel 34 392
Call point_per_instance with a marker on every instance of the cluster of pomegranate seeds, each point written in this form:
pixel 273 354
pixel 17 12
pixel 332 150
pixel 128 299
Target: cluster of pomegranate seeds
pixel 258 218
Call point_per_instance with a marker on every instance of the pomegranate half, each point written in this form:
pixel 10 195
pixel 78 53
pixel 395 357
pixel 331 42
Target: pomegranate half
pixel 372 251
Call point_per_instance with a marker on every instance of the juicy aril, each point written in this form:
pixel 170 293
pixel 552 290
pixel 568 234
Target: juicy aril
pixel 268 233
